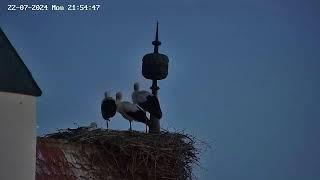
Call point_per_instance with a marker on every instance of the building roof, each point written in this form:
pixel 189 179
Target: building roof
pixel 14 74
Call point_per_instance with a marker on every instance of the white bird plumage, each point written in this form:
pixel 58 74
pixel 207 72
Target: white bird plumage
pixel 130 111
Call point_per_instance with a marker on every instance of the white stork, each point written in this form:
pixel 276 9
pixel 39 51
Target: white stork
pixel 146 101
pixel 130 111
pixel 108 107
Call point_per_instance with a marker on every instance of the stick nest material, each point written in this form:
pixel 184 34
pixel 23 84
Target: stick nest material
pixel 169 155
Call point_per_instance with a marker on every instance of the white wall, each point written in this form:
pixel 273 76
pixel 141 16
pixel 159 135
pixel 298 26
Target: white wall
pixel 17 136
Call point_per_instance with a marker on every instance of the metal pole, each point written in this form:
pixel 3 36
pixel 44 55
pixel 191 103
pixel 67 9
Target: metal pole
pixel 155 123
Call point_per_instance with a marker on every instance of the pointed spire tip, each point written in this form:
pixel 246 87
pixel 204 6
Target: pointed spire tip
pixel 156 42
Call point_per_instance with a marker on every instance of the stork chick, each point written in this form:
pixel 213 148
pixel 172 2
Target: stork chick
pixel 108 107
pixel 146 101
pixel 130 111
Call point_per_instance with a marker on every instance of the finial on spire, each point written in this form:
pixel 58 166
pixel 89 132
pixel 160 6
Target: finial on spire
pixel 156 42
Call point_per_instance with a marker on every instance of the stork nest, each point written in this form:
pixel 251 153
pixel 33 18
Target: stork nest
pixel 168 155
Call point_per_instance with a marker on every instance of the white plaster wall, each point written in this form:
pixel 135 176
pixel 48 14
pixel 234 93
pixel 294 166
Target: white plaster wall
pixel 17 136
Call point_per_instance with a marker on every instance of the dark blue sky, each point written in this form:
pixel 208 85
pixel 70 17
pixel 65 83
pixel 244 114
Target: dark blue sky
pixel 243 75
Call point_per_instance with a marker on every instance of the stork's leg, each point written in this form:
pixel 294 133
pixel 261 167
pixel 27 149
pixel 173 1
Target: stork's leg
pixel 107 124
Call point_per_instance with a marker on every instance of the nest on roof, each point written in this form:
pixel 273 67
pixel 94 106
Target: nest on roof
pixel 137 155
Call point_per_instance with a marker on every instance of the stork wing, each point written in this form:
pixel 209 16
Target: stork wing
pixel 129 107
pixel 108 108
pixel 140 96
